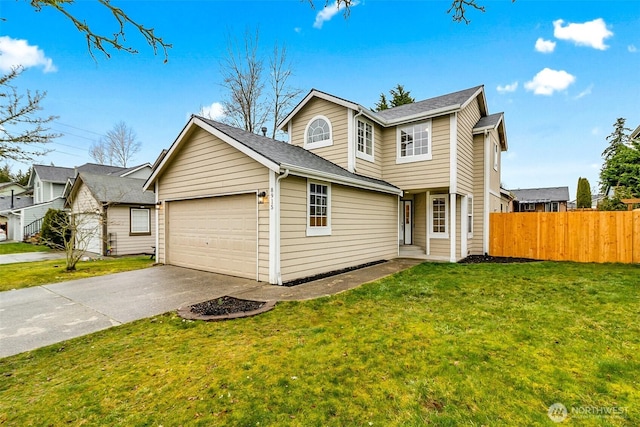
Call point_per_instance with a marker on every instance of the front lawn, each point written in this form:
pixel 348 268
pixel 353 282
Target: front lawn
pixel 439 344
pixel 19 247
pixel 26 274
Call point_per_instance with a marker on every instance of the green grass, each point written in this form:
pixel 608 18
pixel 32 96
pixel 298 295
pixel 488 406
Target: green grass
pixel 439 344
pixel 18 248
pixel 26 274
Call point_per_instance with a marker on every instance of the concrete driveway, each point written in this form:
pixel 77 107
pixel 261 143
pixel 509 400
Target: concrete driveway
pixel 35 317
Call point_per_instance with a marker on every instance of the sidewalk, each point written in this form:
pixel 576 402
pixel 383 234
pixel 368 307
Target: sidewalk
pixel 30 257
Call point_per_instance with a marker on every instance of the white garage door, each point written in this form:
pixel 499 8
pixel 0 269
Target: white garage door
pixel 217 234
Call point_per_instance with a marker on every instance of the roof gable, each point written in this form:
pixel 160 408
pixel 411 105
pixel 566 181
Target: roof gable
pixel 275 155
pixel 493 122
pixel 113 189
pixel 54 174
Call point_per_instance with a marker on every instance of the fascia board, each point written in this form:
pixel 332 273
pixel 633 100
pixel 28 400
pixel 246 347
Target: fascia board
pixel 317 94
pixel 313 174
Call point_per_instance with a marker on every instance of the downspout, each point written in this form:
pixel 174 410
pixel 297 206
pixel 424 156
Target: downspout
pixel 277 221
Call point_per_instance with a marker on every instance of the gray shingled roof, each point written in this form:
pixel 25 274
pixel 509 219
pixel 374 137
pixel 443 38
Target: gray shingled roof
pixel 540 195
pixel 115 189
pixel 489 121
pixel 55 174
pixel 18 202
pixel 283 153
pixel 443 101
pixel 96 169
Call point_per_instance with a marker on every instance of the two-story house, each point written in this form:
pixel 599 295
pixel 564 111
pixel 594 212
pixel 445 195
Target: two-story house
pixel 351 186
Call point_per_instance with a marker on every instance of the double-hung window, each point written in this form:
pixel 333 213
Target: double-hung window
pixel 140 221
pixel 439 218
pixel 414 142
pixel 364 146
pixel 318 209
pixel 470 216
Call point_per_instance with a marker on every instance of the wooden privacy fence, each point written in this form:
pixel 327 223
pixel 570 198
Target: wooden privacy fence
pixel 587 236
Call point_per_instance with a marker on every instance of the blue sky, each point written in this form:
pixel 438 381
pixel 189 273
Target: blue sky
pixel 562 71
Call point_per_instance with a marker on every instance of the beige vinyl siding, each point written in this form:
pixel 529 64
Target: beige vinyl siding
pixel 467 119
pixel 420 220
pixel 337 115
pixel 440 248
pixel 364 229
pixel 423 174
pixel 475 244
pixel 207 166
pixel 365 167
pixel 495 175
pixel 119 228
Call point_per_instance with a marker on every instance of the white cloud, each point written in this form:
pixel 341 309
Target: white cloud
pixel 545 46
pixel 329 12
pixel 507 88
pixel 632 48
pixel 585 92
pixel 297 30
pixel 548 81
pixel 590 33
pixel 214 111
pixel 15 52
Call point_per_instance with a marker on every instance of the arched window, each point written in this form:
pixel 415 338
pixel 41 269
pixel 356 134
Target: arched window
pixel 318 133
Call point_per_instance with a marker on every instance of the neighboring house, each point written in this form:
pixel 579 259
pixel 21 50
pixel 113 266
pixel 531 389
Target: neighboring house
pixel 115 216
pixel 352 186
pixel 551 199
pixel 9 188
pixel 48 184
pixel 8 204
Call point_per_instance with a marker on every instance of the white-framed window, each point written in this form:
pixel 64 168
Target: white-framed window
pixel 470 216
pixel 496 156
pixel 414 142
pixel 364 143
pixel 439 218
pixel 318 133
pixel 551 207
pixel 318 208
pixel 140 221
pixel 527 207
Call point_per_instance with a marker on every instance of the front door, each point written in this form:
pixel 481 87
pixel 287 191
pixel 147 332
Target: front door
pixel 407 222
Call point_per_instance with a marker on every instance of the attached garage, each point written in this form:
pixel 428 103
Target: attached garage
pixel 217 234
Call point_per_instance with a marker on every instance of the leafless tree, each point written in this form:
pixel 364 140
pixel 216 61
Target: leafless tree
pixel 283 94
pixel 248 105
pixel 241 71
pixel 458 8
pixel 103 42
pixel 117 147
pixel 20 126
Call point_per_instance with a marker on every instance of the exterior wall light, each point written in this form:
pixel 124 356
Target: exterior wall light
pixel 262 197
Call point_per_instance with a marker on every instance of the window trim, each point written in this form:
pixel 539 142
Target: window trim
pixel 548 206
pixel 495 156
pixel 419 157
pixel 318 230
pixel 139 233
pixel 439 234
pixel 527 207
pixel 363 154
pixel 470 216
pixel 320 144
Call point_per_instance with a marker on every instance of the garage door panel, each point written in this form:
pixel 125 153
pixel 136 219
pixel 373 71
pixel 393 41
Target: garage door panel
pixel 215 234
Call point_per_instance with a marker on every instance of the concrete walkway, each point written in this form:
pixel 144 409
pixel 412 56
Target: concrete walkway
pixel 42 315
pixel 30 257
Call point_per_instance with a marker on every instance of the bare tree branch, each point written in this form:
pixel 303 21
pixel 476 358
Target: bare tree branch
pixel 102 42
pixel 19 125
pixel 118 147
pixel 283 95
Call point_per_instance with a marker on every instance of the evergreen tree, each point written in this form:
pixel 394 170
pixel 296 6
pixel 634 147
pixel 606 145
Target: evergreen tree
pixel 382 103
pixel 621 166
pixel 400 96
pixel 583 196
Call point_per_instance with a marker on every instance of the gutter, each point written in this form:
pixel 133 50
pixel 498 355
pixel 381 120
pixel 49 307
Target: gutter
pixel 277 225
pixel 310 173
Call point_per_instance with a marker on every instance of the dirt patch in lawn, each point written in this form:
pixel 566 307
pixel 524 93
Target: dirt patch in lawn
pixel 480 259
pixel 225 308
